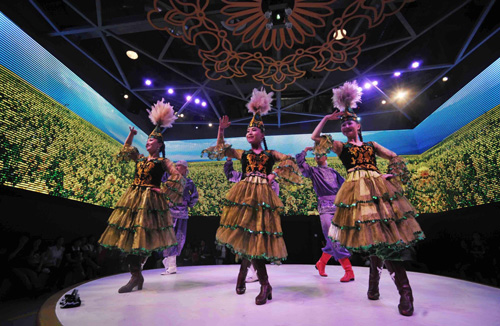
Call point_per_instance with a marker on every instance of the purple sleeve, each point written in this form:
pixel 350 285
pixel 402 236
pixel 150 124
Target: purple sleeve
pixel 193 198
pixel 165 177
pixel 303 166
pixel 231 174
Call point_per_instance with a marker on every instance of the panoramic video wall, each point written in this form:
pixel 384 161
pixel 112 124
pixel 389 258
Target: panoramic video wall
pixel 59 137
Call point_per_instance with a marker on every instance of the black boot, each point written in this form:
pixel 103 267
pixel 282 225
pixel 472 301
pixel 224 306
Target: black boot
pixel 376 266
pixel 134 263
pixel 398 274
pixel 240 283
pixel 266 291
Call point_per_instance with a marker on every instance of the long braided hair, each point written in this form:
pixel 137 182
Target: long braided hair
pixel 265 143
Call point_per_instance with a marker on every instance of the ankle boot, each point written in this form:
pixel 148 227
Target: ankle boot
pixel 321 264
pixel 135 280
pixel 376 267
pixel 240 283
pixel 398 274
pixel 349 274
pixel 266 291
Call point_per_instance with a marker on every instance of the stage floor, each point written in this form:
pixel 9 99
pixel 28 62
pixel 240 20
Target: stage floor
pixel 205 295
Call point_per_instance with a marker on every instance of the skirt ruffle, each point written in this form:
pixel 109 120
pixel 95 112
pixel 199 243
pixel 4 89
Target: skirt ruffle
pixel 374 216
pixel 250 224
pixel 140 224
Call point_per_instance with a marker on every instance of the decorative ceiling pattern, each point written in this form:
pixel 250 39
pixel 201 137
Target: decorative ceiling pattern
pixel 248 21
pixel 216 52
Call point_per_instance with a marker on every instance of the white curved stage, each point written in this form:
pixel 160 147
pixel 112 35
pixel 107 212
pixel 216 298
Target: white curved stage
pixel 205 295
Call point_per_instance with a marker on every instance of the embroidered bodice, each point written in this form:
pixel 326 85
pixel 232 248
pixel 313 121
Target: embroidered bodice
pixel 262 162
pixel 359 157
pixel 149 173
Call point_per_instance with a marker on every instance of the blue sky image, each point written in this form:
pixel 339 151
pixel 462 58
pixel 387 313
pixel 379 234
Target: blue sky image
pixel 29 60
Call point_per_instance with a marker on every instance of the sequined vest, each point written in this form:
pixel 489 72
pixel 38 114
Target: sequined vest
pixel 148 173
pixel 359 157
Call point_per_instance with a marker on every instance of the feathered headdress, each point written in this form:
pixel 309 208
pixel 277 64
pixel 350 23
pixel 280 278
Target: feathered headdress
pixel 162 115
pixel 346 98
pixel 259 105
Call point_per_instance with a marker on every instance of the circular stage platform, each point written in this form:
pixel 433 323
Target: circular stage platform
pixel 205 295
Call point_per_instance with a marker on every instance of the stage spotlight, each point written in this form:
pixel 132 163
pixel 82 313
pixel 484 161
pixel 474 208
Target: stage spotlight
pixel 368 85
pixel 181 115
pixel 384 101
pixel 397 74
pixel 415 64
pixel 400 95
pixel 132 54
pixel 203 103
pixel 170 91
pixel 374 83
pixel 360 89
pixel 197 101
pixel 196 127
pixel 125 96
pixel 210 124
pixel 148 82
pixel 445 79
pixel 188 98
pixel 358 118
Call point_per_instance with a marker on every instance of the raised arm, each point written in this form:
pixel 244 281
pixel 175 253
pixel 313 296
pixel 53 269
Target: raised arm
pixel 221 149
pixel 128 152
pixel 316 135
pixel 301 162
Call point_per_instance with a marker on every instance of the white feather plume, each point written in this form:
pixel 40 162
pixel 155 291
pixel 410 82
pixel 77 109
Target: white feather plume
pixel 347 96
pixel 162 114
pixel 260 102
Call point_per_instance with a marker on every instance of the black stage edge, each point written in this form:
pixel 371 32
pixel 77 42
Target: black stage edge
pixel 49 217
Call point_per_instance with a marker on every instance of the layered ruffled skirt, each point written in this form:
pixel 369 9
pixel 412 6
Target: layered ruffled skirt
pixel 250 224
pixel 140 224
pixel 374 217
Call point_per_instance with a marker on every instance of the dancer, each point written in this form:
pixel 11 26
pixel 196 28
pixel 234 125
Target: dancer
pixel 250 223
pixel 180 216
pixel 141 222
pixel 372 216
pixel 326 183
pixel 235 176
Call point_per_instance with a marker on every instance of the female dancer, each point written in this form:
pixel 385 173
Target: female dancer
pixel 250 223
pixel 372 216
pixel 141 222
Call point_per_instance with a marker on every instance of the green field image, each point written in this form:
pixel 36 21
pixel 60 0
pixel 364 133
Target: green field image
pixel 47 148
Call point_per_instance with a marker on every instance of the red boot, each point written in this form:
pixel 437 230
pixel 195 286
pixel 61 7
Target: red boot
pixel 321 264
pixel 349 274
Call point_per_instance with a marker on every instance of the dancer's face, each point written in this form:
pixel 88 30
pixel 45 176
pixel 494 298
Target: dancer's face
pixel 153 145
pixel 254 135
pixel 181 169
pixel 320 159
pixel 350 128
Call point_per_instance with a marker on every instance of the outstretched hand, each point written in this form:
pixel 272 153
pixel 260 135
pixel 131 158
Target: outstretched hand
pixel 224 122
pixel 387 176
pixel 334 116
pixel 132 130
pixel 270 178
pixel 307 149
